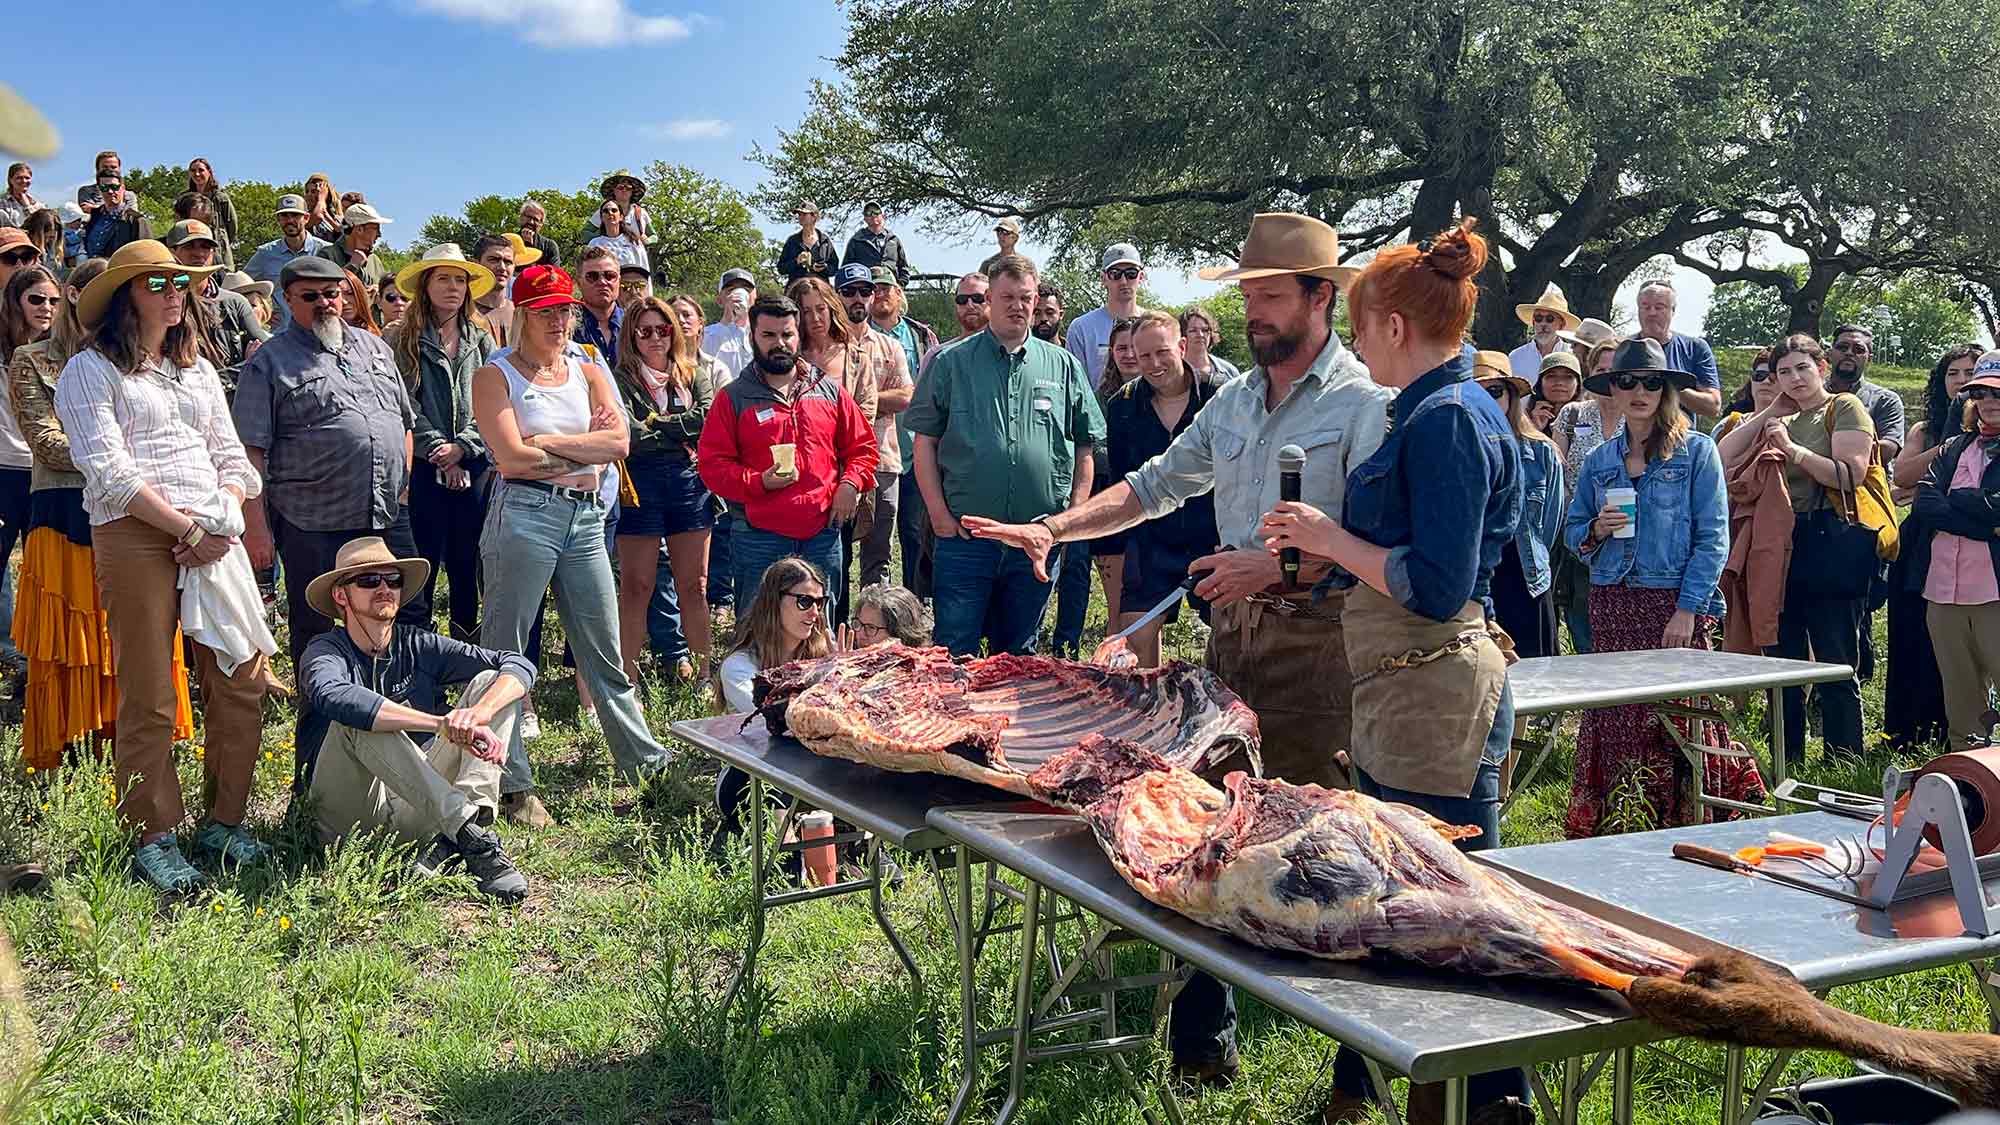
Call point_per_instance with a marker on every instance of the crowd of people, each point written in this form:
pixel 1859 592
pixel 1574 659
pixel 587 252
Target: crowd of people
pixel 535 431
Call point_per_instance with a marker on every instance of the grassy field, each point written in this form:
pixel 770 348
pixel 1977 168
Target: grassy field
pixel 331 987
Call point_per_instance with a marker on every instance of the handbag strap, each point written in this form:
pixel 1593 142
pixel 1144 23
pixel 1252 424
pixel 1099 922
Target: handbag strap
pixel 1842 492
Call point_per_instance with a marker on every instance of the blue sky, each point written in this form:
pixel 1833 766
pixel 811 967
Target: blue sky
pixel 535 93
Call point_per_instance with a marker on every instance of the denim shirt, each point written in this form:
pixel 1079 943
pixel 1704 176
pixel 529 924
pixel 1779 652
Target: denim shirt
pixel 1683 525
pixel 1542 486
pixel 1443 493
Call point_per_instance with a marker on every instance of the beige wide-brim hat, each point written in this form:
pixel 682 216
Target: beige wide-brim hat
pixel 23 129
pixel 1282 244
pixel 1589 333
pixel 354 557
pixel 1495 367
pixel 444 255
pixel 1552 301
pixel 134 259
pixel 524 254
pixel 240 282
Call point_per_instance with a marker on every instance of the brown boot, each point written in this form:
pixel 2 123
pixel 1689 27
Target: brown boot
pixel 525 810
pixel 22 879
pixel 1342 1108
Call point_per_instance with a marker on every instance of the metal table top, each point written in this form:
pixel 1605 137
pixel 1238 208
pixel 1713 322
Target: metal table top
pixel 1427 1025
pixel 1548 684
pixel 891 805
pixel 1634 880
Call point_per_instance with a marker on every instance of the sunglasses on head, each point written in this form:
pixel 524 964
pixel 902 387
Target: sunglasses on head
pixel 1123 273
pixel 393 580
pixel 1980 394
pixel 1650 382
pixel 21 257
pixel 858 289
pixel 158 283
pixel 316 296
pixel 969 299
pixel 804 602
pixel 1761 374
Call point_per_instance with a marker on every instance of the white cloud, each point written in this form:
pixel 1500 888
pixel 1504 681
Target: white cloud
pixel 565 23
pixel 688 129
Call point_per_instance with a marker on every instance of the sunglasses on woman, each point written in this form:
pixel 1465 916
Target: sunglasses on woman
pixel 1628 382
pixel 376 581
pixel 38 300
pixel 1980 394
pixel 1497 390
pixel 158 283
pixel 803 602
pixel 653 332
pixel 22 257
pixel 1761 374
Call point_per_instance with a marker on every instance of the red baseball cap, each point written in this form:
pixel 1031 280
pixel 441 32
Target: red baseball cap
pixel 541 287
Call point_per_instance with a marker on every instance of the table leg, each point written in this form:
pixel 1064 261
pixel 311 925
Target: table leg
pixel 1774 705
pixel 1572 1073
pixel 882 914
pixel 1455 1108
pixel 1542 753
pixel 1732 1083
pixel 1621 1087
pixel 968 1023
pixel 1024 1002
pixel 1385 1097
pixel 756 940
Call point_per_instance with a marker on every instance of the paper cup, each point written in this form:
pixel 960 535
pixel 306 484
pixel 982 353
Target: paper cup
pixel 786 458
pixel 1625 500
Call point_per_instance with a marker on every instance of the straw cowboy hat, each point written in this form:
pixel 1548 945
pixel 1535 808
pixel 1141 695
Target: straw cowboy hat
pixel 23 129
pixel 240 282
pixel 444 254
pixel 134 259
pixel 1638 356
pixel 524 254
pixel 1589 334
pixel 354 557
pixel 1282 243
pixel 1552 301
pixel 614 179
pixel 1495 367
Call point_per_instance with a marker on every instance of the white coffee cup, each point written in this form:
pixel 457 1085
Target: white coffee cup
pixel 785 458
pixel 1625 500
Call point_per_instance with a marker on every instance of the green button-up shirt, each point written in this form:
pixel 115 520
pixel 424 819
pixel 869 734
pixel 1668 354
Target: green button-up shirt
pixel 1008 426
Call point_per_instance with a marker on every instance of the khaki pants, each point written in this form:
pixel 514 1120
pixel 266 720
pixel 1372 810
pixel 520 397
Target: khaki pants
pixel 136 574
pixel 1966 639
pixel 365 780
pixel 1292 671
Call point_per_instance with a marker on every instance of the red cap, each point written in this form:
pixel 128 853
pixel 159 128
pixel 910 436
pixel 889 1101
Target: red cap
pixel 541 287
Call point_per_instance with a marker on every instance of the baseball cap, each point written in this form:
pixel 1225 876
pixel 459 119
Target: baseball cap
pixel 1008 223
pixel 807 206
pixel 69 212
pixel 882 275
pixel 309 267
pixel 291 205
pixel 871 208
pixel 853 273
pixel 633 267
pixel 736 277
pixel 1118 254
pixel 189 230
pixel 360 215
pixel 540 287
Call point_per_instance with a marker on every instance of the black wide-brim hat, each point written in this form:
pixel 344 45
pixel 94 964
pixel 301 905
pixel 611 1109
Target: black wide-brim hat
pixel 1639 356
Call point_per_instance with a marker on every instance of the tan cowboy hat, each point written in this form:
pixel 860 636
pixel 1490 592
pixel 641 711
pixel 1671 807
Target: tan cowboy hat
pixel 23 129
pixel 1282 243
pixel 524 254
pixel 444 254
pixel 1552 301
pixel 240 282
pixel 357 555
pixel 1495 367
pixel 1589 333
pixel 134 259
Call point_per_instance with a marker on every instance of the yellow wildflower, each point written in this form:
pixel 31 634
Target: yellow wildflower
pixel 284 921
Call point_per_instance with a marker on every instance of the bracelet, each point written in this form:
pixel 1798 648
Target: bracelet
pixel 193 536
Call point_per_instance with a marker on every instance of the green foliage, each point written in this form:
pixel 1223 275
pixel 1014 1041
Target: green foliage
pixel 1914 317
pixel 255 200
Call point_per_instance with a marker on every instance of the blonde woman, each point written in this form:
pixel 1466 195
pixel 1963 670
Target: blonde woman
pixel 322 208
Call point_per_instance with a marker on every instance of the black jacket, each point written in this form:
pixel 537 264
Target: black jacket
pixel 821 261
pixel 885 249
pixel 1971 512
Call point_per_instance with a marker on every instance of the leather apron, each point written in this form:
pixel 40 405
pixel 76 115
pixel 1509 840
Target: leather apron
pixel 1287 662
pixel 1425 692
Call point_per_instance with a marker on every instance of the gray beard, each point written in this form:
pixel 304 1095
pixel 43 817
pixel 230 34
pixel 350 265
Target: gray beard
pixel 331 330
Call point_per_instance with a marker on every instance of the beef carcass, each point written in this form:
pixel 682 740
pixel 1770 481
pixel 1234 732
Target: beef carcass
pixel 1340 875
pixel 997 719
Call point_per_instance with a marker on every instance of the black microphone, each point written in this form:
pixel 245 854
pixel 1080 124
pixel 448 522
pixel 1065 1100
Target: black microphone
pixel 1291 462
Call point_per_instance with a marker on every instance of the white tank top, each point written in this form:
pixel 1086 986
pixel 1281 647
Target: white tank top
pixel 560 409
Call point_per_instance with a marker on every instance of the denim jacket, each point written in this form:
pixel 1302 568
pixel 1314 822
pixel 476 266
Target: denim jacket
pixel 1683 524
pixel 1542 488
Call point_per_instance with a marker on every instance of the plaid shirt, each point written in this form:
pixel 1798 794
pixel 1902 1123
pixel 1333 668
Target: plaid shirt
pixel 165 426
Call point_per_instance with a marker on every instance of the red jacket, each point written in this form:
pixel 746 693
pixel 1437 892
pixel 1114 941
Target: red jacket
pixel 836 445
pixel 1760 551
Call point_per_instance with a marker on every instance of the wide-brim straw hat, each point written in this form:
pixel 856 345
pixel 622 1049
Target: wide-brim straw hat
pixel 1589 333
pixel 524 254
pixel 1495 367
pixel 1641 355
pixel 354 557
pixel 444 255
pixel 1282 244
pixel 240 282
pixel 1552 300
pixel 638 185
pixel 134 259
pixel 23 129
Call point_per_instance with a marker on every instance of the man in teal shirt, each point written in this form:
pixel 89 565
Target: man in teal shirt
pixel 1003 425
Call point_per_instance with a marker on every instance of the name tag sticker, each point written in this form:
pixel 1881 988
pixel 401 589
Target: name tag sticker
pixel 765 415
pixel 1045 404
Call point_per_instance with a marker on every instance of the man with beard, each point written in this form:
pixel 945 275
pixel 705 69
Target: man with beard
pixel 530 222
pixel 1656 302
pixel 790 450
pixel 1547 319
pixel 230 330
pixel 1004 427
pixel 496 252
pixel 1853 348
pixel 862 290
pixel 324 415
pixel 293 242
pixel 876 245
pixel 360 229
pixel 1048 313
pixel 1090 334
pixel 1279 649
pixel 380 749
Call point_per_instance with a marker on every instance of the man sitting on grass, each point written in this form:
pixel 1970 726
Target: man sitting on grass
pixel 371 691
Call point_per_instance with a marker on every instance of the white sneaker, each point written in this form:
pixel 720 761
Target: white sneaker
pixel 531 725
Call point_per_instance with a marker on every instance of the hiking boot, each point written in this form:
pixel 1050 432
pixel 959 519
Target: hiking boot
pixel 440 857
pixel 230 844
pixel 159 864
pixel 22 879
pixel 489 866
pixel 525 810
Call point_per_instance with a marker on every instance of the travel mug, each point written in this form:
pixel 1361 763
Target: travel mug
pixel 1625 500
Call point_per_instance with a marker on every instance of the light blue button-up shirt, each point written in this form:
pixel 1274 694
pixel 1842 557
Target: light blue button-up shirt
pixel 265 265
pixel 1334 412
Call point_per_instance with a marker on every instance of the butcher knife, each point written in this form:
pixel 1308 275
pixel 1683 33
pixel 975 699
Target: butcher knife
pixel 1723 861
pixel 1114 653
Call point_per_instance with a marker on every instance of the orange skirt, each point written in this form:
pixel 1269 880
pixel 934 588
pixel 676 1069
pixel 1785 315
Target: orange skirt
pixel 59 625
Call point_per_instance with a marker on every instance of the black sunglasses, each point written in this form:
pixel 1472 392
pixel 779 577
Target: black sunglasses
pixel 1978 394
pixel 1123 273
pixel 969 299
pixel 21 257
pixel 372 581
pixel 1498 391
pixel 158 283
pixel 315 296
pixel 807 601
pixel 858 290
pixel 1650 382
pixel 1762 374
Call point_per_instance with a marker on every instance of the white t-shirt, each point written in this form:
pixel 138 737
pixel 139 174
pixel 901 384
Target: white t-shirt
pixel 1089 340
pixel 14 451
pixel 730 345
pixel 628 252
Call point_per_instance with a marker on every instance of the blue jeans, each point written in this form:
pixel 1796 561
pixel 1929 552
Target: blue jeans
pixel 911 527
pixel 986 590
pixel 1072 575
pixel 721 575
pixel 663 614
pixel 535 542
pixel 753 550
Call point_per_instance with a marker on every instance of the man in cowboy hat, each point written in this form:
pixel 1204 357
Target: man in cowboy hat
pixel 501 254
pixel 378 747
pixel 808 253
pixel 1656 303
pixel 326 417
pixel 360 229
pixel 292 242
pixel 1547 319
pixel 876 245
pixel 1280 651
pixel 1090 334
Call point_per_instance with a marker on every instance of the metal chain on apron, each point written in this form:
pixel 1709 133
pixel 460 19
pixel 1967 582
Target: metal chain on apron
pixel 1417 657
